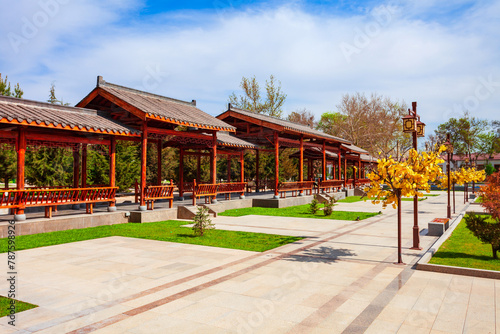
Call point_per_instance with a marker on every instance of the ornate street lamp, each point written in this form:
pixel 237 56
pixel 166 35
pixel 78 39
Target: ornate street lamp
pixel 449 151
pixel 412 124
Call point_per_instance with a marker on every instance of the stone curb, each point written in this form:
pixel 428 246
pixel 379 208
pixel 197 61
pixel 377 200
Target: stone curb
pixel 423 262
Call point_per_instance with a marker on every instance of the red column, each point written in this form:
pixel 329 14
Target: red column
pixel 112 169
pixel 324 162
pixel 242 166
pixel 159 147
pixel 76 167
pixel 276 164
pixel 340 164
pixel 213 159
pixel 257 174
pixel 143 164
pixel 112 162
pixel 84 165
pixel 181 172
pixel 345 171
pixel 359 168
pixel 301 160
pixel 228 168
pixel 21 157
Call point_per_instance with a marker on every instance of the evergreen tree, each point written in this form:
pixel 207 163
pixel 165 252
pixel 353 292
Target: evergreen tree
pixel 8 163
pixel 50 166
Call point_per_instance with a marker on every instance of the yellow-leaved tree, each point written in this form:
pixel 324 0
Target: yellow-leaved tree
pixel 390 180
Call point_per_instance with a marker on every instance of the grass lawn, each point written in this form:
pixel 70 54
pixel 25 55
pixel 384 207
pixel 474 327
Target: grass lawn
pixel 164 231
pixel 353 199
pixel 300 211
pixel 463 249
pixel 20 306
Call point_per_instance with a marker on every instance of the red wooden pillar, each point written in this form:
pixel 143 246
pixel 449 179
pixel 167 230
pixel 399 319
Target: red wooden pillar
pixel 276 164
pixel 257 167
pixel 21 158
pixel 76 167
pixel 359 168
pixel 144 147
pixel 242 166
pixel 84 165
pixel 345 171
pixel 112 169
pixel 340 164
pixel 228 168
pixel 301 162
pixel 159 147
pixel 242 171
pixel 181 174
pixel 324 162
pixel 213 159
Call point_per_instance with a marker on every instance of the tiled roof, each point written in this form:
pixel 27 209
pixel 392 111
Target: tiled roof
pixel 225 139
pixel 354 148
pixel 287 124
pixel 164 108
pixel 41 114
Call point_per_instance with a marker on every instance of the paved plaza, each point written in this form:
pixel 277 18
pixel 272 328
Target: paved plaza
pixel 340 279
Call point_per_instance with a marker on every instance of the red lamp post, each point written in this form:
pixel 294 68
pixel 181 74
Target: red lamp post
pixel 412 124
pixel 449 151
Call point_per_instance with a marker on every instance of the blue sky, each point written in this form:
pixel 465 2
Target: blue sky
pixel 442 54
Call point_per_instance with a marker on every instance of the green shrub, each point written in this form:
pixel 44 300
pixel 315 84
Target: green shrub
pixel 202 221
pixel 488 233
pixel 314 206
pixel 328 209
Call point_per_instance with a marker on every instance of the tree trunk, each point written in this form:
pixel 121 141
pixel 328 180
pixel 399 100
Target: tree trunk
pixel 495 250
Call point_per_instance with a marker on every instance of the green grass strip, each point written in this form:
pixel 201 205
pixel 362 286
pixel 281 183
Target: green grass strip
pixel 300 211
pixel 164 231
pixel 463 249
pixel 5 304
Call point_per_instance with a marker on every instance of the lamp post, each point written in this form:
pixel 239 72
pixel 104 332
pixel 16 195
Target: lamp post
pixel 449 151
pixel 466 185
pixel 412 124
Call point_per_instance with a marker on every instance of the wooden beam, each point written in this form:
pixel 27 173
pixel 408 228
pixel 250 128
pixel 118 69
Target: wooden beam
pixel 66 138
pixel 21 158
pixel 324 162
pixel 187 134
pixel 181 172
pixel 76 168
pixel 301 160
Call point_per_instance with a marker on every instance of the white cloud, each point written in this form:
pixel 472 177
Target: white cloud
pixel 439 64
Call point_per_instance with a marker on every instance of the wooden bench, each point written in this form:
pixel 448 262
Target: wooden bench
pixel 295 187
pixel 51 198
pixel 230 188
pixel 208 191
pixel 153 193
pixel 330 186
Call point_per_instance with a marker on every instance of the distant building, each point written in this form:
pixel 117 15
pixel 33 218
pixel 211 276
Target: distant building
pixel 480 160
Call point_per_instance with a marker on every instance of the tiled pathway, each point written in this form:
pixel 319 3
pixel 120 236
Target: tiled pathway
pixel 341 278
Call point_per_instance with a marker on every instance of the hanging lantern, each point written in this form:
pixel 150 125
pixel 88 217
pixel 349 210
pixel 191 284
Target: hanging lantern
pixel 409 124
pixel 420 129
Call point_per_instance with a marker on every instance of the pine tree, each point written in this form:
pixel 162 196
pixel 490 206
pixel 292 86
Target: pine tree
pixel 8 163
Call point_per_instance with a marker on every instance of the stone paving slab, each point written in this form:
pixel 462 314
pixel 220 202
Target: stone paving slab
pixel 341 279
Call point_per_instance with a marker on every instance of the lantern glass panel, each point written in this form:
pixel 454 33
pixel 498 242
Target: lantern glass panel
pixel 409 124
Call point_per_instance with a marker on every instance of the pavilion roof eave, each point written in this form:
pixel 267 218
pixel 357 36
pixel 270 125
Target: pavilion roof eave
pixel 146 105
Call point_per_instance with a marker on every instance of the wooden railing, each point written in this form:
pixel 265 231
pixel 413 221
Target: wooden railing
pixel 230 188
pixel 51 198
pixel 153 193
pixel 295 187
pixel 330 185
pixel 206 190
